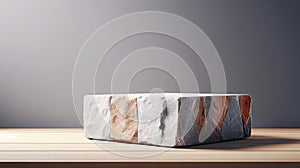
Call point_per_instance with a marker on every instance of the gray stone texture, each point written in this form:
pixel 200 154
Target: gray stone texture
pixel 168 119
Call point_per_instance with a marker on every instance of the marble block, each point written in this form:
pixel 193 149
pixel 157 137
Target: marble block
pixel 170 119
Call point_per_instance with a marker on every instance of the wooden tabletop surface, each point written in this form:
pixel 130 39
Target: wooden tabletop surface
pixel 70 145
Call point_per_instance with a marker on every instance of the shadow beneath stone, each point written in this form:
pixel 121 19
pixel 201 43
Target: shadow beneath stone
pixel 253 141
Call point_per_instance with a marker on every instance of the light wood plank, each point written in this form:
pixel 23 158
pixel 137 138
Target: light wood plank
pixel 133 147
pixel 41 145
pixel 207 156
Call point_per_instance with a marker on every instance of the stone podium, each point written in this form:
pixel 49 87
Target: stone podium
pixel 169 119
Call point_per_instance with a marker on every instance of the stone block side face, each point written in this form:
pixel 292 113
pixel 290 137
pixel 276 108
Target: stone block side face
pixel 152 112
pixel 157 120
pixel 171 121
pixel 219 110
pixel 245 109
pixel 188 128
pixel 208 119
pixel 232 127
pixel 124 118
pixel 167 120
pixel 214 111
pixel 96 116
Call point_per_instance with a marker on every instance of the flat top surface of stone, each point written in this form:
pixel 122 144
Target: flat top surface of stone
pixel 70 145
pixel 173 94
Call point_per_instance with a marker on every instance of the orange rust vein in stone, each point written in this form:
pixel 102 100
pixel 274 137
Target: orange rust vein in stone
pixel 201 116
pixel 124 122
pixel 179 141
pixel 245 105
pixel 221 104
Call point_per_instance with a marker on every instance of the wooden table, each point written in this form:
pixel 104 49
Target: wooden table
pixel 68 147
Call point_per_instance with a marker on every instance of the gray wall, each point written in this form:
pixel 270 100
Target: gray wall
pixel 258 42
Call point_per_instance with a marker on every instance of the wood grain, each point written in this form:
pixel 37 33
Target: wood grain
pixel 70 145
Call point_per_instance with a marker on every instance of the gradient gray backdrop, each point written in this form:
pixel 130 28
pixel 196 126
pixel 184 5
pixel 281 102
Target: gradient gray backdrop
pixel 258 41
